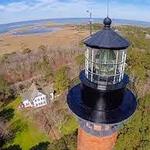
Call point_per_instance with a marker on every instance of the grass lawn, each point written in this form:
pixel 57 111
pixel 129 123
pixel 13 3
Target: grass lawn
pixel 29 135
pixel 30 138
pixel 69 126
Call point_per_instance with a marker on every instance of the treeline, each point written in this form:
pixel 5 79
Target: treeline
pixel 68 142
pixel 6 92
pixel 135 134
pixel 18 66
pixel 57 119
pixel 8 129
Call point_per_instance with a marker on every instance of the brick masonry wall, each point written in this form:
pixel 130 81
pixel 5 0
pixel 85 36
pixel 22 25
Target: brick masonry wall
pixel 89 142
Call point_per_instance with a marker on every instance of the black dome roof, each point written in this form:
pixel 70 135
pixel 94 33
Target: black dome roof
pixel 107 38
pixel 107 22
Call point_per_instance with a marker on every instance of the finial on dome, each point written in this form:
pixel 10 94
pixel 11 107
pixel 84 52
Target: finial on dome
pixel 107 22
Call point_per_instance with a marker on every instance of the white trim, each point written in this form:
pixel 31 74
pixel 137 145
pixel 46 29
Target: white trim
pixel 116 67
pixel 92 69
pixel 119 63
pixel 86 62
pixel 124 65
pixel 121 70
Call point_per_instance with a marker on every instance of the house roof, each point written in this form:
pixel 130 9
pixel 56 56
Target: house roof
pixel 107 38
pixel 48 89
pixel 31 93
pixel 35 91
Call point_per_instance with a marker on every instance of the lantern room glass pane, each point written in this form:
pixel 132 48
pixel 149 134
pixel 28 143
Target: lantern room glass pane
pixel 105 60
pixel 105 66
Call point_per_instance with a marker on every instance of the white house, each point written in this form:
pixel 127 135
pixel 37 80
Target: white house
pixel 35 97
pixel 26 103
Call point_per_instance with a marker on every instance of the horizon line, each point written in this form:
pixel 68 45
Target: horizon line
pixel 30 20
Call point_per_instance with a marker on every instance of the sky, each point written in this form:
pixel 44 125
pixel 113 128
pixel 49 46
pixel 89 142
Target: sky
pixel 23 10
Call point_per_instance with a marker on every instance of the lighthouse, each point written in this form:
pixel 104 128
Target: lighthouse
pixel 102 102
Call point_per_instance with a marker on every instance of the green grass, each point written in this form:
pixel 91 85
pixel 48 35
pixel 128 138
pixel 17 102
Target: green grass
pixel 29 134
pixel 69 126
pixel 30 137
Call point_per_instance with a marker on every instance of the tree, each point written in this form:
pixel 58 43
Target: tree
pixel 136 133
pixel 41 146
pixel 45 68
pixel 80 59
pixel 13 147
pixel 5 91
pixel 61 80
pixel 2 140
pixel 67 142
pixel 6 114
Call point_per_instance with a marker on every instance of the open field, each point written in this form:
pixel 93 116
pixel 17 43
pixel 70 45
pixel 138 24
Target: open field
pixel 65 37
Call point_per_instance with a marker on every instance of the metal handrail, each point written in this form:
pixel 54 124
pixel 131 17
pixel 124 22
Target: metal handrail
pixel 103 75
pixel 119 63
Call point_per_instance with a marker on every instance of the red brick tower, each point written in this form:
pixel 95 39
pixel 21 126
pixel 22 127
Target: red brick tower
pixel 90 142
pixel 101 102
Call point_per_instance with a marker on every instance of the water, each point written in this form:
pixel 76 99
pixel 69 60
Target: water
pixel 5 28
pixel 36 31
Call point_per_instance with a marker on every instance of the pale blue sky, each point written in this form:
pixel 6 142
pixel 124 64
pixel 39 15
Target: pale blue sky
pixel 20 10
